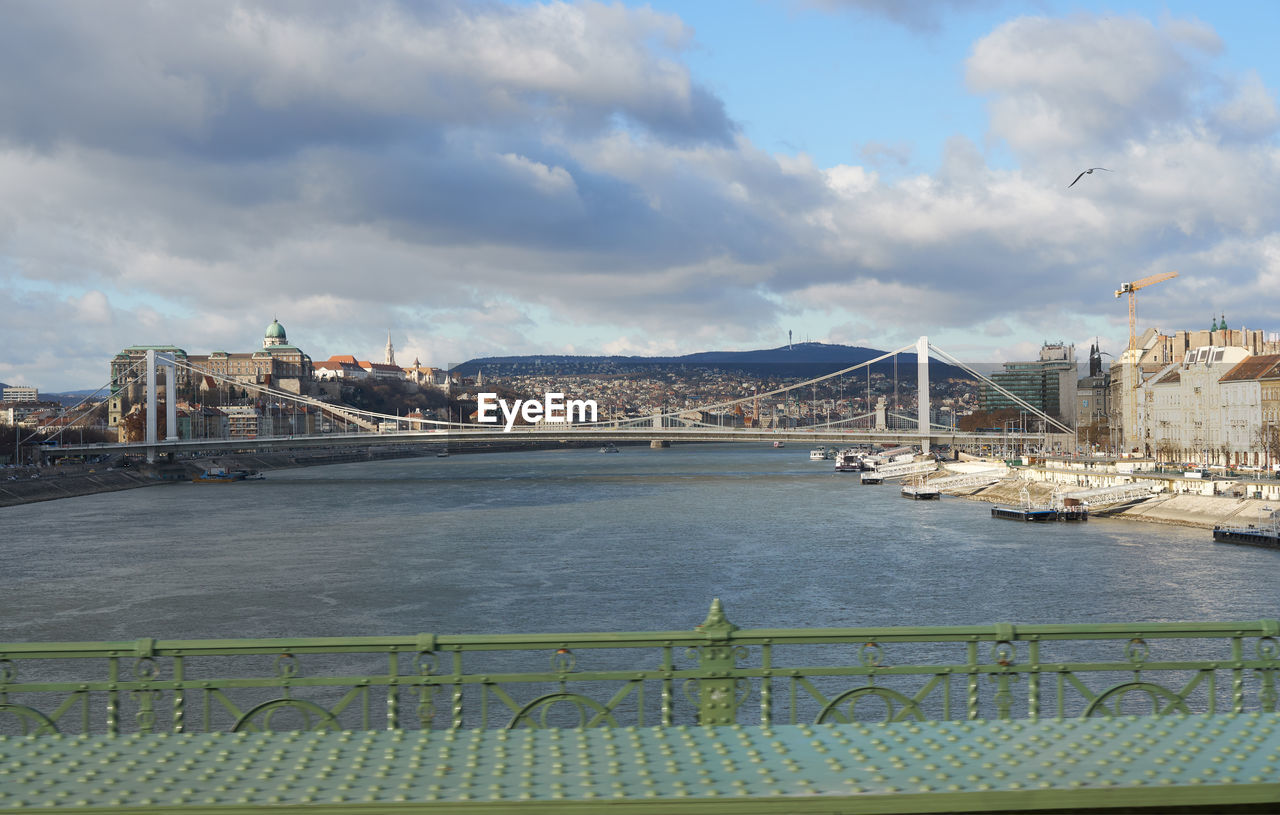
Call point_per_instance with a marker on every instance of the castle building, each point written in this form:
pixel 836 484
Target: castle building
pixel 277 365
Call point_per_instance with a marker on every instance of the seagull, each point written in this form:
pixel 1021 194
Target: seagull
pixel 1087 172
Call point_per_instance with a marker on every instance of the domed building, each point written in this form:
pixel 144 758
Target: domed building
pixel 275 335
pixel 278 365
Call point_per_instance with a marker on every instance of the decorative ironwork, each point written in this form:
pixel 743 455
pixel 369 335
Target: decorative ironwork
pixel 871 655
pixel 562 661
pixel 1003 653
pixel 145 668
pixel 942 673
pixel 428 663
pixel 1155 694
pixel 286 666
pixel 1267 648
pixel 1137 651
pixel 587 711
pixel 831 711
pixel 28 716
pixel 324 720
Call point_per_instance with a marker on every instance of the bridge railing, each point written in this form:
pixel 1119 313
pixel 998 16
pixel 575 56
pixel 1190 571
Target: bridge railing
pixel 713 674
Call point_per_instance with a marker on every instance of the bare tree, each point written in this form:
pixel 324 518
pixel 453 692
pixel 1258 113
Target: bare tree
pixel 1267 441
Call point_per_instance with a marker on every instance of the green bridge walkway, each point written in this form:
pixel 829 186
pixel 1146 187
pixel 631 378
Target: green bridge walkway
pixel 1155 717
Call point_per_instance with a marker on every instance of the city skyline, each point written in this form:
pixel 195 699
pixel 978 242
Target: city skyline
pixel 660 179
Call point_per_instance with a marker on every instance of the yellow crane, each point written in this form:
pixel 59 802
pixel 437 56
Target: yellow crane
pixel 1131 290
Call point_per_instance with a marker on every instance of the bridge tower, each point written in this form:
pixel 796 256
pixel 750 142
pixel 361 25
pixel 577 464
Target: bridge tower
pixel 922 395
pixel 167 361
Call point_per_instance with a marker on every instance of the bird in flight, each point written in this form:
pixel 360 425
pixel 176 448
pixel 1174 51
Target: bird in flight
pixel 1086 172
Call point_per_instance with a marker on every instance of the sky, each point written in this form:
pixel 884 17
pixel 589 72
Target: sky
pixel 484 178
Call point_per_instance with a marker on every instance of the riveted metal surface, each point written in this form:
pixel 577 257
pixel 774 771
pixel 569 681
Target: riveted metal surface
pixel 887 767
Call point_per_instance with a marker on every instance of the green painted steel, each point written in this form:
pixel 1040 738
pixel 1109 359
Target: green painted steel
pixel 897 767
pixel 716 673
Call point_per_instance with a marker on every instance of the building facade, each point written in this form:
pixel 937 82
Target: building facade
pixel 1153 353
pixel 21 393
pixel 1185 408
pixel 277 365
pixel 1248 391
pixel 1093 402
pixel 1047 384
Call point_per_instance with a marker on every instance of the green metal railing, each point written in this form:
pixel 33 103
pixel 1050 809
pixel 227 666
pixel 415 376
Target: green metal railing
pixel 715 674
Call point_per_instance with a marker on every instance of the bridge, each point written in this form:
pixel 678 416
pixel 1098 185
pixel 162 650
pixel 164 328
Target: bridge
pixel 1003 717
pixel 371 428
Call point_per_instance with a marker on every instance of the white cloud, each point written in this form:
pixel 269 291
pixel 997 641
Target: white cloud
pixel 550 180
pixel 483 179
pixel 1251 113
pixel 1087 82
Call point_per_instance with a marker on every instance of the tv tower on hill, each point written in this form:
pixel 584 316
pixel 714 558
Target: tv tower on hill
pixel 788 339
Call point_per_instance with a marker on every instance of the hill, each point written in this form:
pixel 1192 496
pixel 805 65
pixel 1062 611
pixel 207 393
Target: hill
pixel 802 360
pixel 73 397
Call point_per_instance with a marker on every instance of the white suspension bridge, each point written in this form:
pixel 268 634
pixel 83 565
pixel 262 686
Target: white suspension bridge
pixel 370 428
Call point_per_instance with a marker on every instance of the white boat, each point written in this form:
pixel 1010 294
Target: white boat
pixel 609 448
pixel 819 454
pixel 849 461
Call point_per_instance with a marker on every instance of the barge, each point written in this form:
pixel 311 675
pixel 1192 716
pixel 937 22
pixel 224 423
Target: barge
pixel 1266 536
pixel 1036 514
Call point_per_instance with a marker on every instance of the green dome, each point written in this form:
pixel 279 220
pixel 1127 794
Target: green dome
pixel 275 331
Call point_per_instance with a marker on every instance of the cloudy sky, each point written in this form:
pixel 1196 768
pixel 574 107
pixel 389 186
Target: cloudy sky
pixel 484 177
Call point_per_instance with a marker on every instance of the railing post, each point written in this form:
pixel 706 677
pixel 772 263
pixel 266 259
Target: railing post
pixel 718 688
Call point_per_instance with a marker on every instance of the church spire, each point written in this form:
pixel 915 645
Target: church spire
pixel 391 351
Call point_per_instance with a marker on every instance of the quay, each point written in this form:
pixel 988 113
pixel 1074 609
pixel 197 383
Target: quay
pixel 1037 718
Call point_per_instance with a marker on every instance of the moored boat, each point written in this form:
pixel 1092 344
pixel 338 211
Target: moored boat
pixel 1267 536
pixel 850 461
pixel 218 475
pixel 1026 511
pixel 919 490
pixel 1251 536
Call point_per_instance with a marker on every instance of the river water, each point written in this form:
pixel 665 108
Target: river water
pixel 574 540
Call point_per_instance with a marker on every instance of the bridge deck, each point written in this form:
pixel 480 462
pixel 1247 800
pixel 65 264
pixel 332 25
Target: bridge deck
pixel 1209 762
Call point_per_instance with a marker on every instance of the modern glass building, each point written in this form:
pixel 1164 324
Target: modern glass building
pixel 1047 384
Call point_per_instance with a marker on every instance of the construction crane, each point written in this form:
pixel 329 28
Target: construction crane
pixel 1131 289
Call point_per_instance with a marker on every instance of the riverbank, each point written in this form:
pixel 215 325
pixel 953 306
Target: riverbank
pixel 1199 511
pixel 52 485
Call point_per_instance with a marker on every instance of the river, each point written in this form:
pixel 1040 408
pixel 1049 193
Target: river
pixel 574 540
